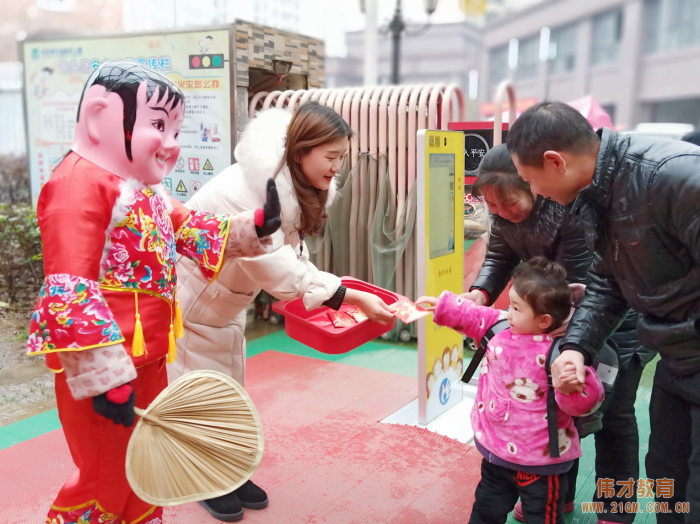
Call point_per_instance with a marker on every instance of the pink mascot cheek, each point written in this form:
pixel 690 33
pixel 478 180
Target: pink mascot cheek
pixel 143 150
pixel 170 164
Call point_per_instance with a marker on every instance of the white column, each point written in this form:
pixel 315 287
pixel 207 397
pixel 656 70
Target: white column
pixel 629 58
pixel 584 50
pixel 543 69
pixel 485 92
pixel 371 49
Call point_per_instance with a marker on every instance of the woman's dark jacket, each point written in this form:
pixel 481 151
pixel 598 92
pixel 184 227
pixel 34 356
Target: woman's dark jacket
pixel 550 232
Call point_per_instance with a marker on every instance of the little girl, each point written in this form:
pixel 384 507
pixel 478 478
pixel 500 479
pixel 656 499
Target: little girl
pixel 510 414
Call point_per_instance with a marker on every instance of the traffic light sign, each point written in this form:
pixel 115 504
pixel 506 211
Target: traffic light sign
pixel 207 61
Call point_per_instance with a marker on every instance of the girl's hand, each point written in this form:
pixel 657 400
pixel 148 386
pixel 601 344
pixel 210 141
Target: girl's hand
pixel 569 374
pixel 373 306
pixel 428 303
pixel 562 378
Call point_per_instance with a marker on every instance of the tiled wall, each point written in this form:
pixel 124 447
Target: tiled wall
pixel 257 46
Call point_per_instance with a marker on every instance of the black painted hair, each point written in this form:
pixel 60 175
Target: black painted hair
pixel 124 78
pixel 498 172
pixel 542 284
pixel 550 126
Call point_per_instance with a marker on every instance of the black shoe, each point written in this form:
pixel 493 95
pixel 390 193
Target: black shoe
pixel 251 496
pixel 226 508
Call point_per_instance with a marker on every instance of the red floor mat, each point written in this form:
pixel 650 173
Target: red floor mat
pixel 327 458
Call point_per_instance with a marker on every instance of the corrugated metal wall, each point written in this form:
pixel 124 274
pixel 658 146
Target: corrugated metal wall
pixel 12 134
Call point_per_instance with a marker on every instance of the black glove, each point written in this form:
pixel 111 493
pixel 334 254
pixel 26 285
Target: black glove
pixel 271 221
pixel 117 405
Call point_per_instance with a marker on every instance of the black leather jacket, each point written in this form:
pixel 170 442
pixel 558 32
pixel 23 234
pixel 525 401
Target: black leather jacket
pixel 643 208
pixel 550 232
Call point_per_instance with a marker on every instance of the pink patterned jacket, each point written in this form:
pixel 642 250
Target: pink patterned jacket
pixel 510 414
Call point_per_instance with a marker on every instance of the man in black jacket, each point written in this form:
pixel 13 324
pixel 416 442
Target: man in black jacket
pixel 549 231
pixel 641 199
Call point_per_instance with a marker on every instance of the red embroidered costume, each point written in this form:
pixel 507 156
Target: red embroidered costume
pixel 107 315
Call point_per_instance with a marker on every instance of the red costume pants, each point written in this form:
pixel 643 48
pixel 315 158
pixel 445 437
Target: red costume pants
pixel 98 488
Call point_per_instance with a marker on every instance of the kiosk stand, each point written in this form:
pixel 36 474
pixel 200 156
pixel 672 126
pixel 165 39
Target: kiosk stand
pixel 440 248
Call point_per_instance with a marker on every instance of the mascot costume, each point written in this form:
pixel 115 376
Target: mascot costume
pixel 107 314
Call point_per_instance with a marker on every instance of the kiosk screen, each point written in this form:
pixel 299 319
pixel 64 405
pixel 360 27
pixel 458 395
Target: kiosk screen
pixel 441 192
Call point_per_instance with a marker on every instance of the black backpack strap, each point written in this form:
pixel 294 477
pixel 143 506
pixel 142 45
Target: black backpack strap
pixel 551 407
pixel 476 359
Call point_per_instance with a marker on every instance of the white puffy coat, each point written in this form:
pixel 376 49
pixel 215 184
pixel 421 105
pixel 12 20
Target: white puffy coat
pixel 214 314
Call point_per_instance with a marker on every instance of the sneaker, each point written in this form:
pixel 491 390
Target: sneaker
pixel 518 512
pixel 227 508
pixel 519 516
pixel 252 496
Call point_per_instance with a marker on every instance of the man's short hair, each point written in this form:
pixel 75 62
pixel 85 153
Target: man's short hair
pixel 550 126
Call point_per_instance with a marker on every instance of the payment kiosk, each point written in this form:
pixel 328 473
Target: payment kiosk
pixel 440 266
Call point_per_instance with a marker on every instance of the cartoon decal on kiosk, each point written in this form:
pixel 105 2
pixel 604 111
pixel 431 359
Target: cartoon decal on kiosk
pixel 440 252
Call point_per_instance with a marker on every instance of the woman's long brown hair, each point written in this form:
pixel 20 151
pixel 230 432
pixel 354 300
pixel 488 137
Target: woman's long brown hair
pixel 312 125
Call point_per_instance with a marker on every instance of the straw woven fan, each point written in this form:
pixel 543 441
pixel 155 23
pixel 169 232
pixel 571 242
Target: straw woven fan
pixel 199 439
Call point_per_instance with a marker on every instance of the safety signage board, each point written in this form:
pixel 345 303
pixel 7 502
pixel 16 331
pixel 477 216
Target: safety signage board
pixel 197 61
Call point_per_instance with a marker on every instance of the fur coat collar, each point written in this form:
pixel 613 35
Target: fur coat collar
pixel 259 153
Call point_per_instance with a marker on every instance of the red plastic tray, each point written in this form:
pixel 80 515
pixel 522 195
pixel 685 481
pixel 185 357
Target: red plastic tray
pixel 330 339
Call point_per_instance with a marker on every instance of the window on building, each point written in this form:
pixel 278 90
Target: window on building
pixel 562 43
pixel 651 26
pixel 499 65
pixel 607 35
pixel 528 59
pixel 671 24
pixel 683 111
pixel 683 23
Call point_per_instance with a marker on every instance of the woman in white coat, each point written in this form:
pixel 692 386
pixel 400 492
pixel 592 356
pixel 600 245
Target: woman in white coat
pixel 303 153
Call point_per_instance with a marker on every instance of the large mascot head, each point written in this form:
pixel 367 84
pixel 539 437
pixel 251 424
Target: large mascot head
pixel 129 119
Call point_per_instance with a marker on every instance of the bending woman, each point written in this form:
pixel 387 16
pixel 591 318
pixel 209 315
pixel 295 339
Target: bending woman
pixel 303 153
pixel 525 226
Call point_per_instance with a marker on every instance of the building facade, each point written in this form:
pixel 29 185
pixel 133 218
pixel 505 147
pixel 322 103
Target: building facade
pixel 37 18
pixel 638 58
pixel 20 18
pixel 498 8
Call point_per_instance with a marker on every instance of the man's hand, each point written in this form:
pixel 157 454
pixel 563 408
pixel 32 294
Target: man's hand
pixel 267 219
pixel 475 296
pixel 569 372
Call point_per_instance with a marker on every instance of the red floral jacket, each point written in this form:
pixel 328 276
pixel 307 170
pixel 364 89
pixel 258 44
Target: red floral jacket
pixel 109 248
